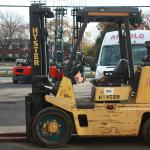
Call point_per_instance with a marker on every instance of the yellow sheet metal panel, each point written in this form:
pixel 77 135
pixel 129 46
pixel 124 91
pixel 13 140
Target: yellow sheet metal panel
pixel 65 97
pixel 66 90
pixel 60 103
pixel 112 93
pixel 143 93
pixel 124 120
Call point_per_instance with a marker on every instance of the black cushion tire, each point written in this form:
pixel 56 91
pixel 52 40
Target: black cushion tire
pixel 52 127
pixel 15 81
pixel 146 131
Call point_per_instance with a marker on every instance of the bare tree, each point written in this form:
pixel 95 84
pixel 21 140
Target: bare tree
pixel 11 27
pixel 67 30
pixel 22 33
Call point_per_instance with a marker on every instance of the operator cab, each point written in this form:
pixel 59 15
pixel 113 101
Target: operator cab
pixel 117 85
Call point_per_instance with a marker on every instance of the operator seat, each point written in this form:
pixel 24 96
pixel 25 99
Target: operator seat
pixel 121 70
pixel 120 75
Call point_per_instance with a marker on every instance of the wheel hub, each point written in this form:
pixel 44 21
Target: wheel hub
pixel 52 127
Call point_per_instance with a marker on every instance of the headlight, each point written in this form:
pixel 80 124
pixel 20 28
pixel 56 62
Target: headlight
pixel 99 75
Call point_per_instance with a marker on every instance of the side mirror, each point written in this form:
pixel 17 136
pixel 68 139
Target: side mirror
pixel 91 62
pixel 147 57
pixel 93 67
pixel 147 44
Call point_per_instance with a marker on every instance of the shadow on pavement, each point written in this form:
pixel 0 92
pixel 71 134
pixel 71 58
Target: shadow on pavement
pixel 77 143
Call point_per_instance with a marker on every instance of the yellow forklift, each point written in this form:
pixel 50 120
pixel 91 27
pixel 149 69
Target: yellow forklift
pixel 120 101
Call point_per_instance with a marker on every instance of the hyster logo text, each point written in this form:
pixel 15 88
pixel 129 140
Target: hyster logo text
pixel 35 46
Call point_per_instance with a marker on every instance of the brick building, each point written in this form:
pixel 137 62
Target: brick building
pixel 20 49
pixel 16 49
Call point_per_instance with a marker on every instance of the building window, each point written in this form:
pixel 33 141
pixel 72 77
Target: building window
pixel 21 46
pixel 9 55
pixel 29 46
pixel 14 46
pixel 16 55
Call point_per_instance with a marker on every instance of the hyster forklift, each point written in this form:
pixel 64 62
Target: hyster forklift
pixel 120 101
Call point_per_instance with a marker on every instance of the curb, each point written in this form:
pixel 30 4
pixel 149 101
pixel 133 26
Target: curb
pixel 12 129
pixel 11 101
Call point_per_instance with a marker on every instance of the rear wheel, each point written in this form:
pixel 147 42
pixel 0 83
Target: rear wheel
pixel 52 127
pixel 146 131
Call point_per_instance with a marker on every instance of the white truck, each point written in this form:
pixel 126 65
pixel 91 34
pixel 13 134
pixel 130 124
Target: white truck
pixel 110 50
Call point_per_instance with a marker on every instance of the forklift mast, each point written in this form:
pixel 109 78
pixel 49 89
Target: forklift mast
pixel 38 38
pixel 59 38
pixel 39 52
pixel 57 65
pixel 76 26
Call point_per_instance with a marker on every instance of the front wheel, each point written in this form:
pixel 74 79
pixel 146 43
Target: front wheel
pixel 146 131
pixel 52 127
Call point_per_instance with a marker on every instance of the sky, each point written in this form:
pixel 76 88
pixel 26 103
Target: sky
pixel 88 2
pixel 24 12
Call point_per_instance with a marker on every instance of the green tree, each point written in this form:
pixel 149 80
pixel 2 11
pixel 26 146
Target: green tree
pixel 86 43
